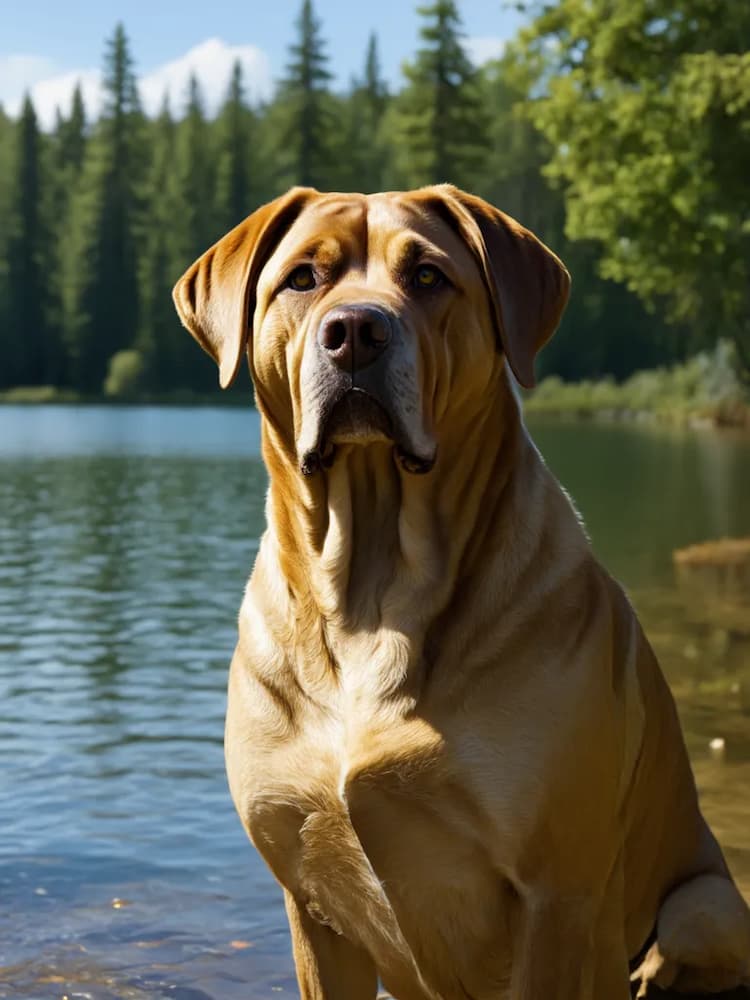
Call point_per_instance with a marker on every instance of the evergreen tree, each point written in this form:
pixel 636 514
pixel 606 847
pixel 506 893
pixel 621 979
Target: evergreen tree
pixel 195 224
pixel 196 177
pixel 234 165
pixel 7 144
pixel 70 136
pixel 438 122
pixel 160 338
pixel 24 353
pixel 366 151
pixel 304 109
pixel 65 155
pixel 373 84
pixel 97 222
pixel 100 288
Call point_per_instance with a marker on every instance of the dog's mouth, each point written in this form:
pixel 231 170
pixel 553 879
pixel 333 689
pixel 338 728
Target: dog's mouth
pixel 358 417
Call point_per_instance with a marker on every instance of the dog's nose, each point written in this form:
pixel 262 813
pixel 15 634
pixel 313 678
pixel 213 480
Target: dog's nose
pixel 354 336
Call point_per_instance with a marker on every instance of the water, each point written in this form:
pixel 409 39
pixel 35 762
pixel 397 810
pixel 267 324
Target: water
pixel 126 536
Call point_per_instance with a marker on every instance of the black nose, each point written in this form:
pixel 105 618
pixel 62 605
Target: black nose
pixel 354 336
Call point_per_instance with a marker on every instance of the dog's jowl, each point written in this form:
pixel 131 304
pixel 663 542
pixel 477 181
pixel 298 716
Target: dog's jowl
pixel 446 734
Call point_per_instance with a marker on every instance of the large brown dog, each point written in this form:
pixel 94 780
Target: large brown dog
pixel 446 732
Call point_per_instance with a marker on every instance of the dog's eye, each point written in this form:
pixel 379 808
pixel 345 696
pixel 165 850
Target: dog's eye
pixel 428 276
pixel 302 278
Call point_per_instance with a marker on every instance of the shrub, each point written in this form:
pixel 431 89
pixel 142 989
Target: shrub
pixel 705 386
pixel 125 374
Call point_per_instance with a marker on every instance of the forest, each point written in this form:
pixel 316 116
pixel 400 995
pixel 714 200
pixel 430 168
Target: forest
pixel 617 130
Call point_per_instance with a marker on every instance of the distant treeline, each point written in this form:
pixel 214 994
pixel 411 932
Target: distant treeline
pixel 99 218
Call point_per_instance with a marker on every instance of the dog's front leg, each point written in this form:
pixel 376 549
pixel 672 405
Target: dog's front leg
pixel 570 948
pixel 328 966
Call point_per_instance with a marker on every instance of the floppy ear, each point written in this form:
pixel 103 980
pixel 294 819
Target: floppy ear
pixel 215 297
pixel 527 283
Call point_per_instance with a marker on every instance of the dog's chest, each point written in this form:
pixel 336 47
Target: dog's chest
pixel 382 840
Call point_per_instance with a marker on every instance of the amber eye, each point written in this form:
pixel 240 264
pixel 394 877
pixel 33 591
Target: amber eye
pixel 427 276
pixel 302 278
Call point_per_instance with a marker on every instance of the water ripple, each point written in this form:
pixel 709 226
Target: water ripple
pixel 126 537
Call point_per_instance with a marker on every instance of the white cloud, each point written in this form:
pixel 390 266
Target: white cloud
pixel 57 92
pixel 211 61
pixel 480 49
pixel 19 73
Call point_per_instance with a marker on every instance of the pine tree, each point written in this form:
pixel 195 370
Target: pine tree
pixel 160 338
pixel 195 225
pixel 366 151
pixel 304 109
pixel 70 136
pixel 234 164
pixel 25 334
pixel 7 144
pixel 438 120
pixel 373 86
pixel 100 289
pixel 65 156
pixel 196 177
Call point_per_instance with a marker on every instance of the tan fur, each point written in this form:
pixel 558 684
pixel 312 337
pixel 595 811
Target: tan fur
pixel 446 732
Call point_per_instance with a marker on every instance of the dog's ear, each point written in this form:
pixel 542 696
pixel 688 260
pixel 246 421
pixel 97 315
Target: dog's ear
pixel 528 285
pixel 215 297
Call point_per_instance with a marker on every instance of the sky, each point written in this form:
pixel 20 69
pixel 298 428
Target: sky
pixel 47 45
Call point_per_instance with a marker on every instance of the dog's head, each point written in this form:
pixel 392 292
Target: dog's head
pixel 365 318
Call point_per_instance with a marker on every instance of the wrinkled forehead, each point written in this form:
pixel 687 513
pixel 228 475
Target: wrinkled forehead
pixel 355 230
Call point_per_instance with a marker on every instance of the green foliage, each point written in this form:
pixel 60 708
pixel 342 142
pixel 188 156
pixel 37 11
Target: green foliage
pixel 366 149
pixel 25 353
pixel 234 156
pixel 65 157
pixel 195 166
pixel 707 387
pixel 646 106
pixel 35 395
pixel 438 121
pixel 164 253
pixel 617 130
pixel 304 112
pixel 7 137
pixel 100 288
pixel 70 137
pixel 124 374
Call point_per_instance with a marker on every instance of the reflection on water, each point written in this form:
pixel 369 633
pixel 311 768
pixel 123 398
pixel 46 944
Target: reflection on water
pixel 644 493
pixel 126 536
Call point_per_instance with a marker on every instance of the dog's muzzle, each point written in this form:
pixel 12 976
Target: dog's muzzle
pixel 360 383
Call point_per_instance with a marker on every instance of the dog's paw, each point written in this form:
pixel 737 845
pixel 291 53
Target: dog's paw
pixel 703 940
pixel 656 969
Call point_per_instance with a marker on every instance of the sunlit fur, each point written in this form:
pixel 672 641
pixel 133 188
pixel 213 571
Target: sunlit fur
pixel 446 732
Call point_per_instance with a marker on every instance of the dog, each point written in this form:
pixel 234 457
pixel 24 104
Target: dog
pixel 446 732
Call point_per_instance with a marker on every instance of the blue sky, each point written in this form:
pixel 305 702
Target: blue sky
pixel 45 45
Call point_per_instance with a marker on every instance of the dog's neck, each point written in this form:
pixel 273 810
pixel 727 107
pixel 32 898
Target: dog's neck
pixel 372 554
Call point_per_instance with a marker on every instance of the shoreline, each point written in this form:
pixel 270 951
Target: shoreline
pixel 697 419
pixel 705 392
pixel 53 396
pixel 560 407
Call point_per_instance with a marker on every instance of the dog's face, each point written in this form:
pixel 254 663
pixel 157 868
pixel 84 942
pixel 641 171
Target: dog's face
pixel 364 320
pixel 372 317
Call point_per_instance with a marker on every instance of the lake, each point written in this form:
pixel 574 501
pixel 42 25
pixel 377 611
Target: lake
pixel 126 537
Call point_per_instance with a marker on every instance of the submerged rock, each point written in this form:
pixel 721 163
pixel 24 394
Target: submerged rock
pixel 714 581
